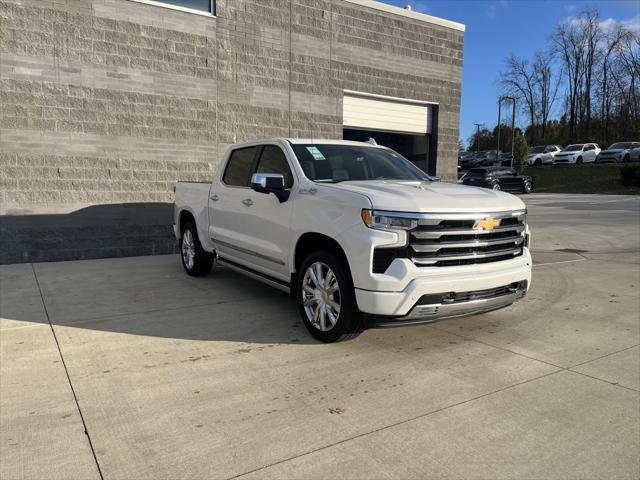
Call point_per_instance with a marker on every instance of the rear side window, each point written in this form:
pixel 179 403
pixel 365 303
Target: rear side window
pixel 273 160
pixel 240 167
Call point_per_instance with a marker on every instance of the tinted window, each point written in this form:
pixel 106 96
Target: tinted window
pixel 573 148
pixel 204 5
pixel 620 146
pixel 538 149
pixel 336 163
pixel 589 147
pixel 240 167
pixel 473 173
pixel 273 160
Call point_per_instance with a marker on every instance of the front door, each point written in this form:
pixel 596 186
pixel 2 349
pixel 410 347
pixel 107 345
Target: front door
pixel 247 227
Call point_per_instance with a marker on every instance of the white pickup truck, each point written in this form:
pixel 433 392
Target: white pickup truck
pixel 356 233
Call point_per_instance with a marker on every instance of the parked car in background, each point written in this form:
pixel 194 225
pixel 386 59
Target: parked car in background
pixel 498 178
pixel 578 153
pixel 617 152
pixel 542 154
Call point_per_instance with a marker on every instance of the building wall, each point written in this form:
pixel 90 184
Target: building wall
pixel 104 104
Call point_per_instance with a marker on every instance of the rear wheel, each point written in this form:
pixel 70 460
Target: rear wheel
pixel 195 260
pixel 496 186
pixel 326 299
pixel 527 186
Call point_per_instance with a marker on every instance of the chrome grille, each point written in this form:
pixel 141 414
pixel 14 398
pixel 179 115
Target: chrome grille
pixel 458 239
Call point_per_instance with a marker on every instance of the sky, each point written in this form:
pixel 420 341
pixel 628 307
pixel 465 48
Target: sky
pixel 497 28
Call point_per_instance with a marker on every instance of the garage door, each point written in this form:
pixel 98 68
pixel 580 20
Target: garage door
pixel 391 114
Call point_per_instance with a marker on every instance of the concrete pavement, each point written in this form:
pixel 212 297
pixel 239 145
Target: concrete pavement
pixel 177 377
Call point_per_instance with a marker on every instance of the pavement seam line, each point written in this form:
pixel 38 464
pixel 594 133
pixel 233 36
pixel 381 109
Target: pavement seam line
pixel 66 371
pixel 396 424
pixel 567 369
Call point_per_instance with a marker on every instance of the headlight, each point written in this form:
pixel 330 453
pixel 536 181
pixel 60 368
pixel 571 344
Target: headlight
pixel 373 219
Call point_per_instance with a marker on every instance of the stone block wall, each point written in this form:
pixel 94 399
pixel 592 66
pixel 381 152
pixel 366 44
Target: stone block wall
pixel 104 104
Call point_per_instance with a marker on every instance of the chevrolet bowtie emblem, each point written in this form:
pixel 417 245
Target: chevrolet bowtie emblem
pixel 486 224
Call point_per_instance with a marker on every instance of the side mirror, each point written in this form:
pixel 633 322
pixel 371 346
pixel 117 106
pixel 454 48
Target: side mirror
pixel 270 183
pixel 434 179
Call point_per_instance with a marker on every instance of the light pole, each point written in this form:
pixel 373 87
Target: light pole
pixel 513 123
pixel 478 125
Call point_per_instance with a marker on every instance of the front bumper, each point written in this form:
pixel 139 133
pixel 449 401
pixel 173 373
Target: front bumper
pixel 431 308
pixel 565 160
pixel 434 281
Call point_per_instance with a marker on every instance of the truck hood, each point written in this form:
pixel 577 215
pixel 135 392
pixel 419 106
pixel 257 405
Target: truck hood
pixel 431 197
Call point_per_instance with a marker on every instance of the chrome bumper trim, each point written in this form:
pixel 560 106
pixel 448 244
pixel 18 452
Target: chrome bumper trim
pixel 439 311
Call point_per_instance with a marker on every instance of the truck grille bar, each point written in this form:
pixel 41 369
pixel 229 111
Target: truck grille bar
pixel 490 237
pixel 442 240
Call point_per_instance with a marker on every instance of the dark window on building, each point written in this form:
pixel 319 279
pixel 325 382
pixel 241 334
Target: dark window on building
pixel 202 5
pixel 240 167
pixel 273 160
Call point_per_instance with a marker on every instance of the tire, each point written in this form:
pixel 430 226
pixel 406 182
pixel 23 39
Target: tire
pixel 195 260
pixel 537 162
pixel 527 186
pixel 496 187
pixel 331 324
pixel 626 158
pixel 579 161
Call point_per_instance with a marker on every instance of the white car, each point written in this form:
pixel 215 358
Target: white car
pixel 356 233
pixel 542 154
pixel 634 153
pixel 578 153
pixel 618 152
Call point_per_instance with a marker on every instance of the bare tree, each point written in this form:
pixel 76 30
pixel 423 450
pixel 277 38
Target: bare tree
pixel 569 43
pixel 611 42
pixel 546 85
pixel 518 80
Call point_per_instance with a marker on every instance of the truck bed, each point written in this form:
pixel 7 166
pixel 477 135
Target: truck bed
pixel 193 197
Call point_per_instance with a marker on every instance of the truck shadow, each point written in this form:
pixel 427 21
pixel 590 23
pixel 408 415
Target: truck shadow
pixel 148 296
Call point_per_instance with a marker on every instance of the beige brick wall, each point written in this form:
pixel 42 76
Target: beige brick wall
pixel 104 104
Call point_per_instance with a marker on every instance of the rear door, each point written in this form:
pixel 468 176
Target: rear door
pixel 589 153
pixel 509 179
pixel 227 202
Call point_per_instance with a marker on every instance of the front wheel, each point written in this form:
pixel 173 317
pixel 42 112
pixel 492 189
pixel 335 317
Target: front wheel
pixel 579 161
pixel 326 299
pixel 527 187
pixel 496 187
pixel 195 260
pixel 538 162
pixel 626 159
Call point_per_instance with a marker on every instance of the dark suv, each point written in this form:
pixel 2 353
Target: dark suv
pixel 498 178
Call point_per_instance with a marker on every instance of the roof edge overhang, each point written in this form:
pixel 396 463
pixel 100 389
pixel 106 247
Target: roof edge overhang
pixel 409 14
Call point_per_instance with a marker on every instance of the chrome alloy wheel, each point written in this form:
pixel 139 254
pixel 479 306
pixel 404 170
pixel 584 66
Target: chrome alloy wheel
pixel 188 249
pixel 321 296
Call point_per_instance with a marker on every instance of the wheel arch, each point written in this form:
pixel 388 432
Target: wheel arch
pixel 185 216
pixel 310 242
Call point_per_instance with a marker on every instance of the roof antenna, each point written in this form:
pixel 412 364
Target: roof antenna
pixel 371 141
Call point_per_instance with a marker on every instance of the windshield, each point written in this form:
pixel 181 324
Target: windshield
pixel 539 149
pixel 573 148
pixel 333 163
pixel 620 146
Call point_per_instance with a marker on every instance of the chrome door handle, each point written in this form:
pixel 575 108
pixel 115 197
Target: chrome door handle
pixel 248 202
pixel 214 198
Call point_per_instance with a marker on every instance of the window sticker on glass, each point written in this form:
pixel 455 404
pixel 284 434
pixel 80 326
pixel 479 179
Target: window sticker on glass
pixel 317 154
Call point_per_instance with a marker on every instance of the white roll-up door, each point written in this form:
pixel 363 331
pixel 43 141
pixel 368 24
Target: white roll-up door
pixel 391 114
